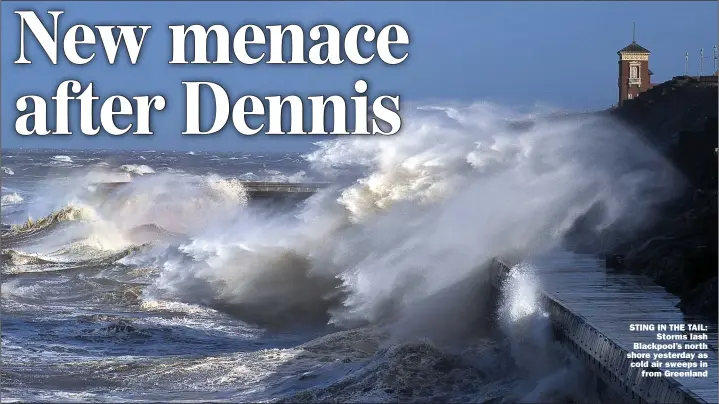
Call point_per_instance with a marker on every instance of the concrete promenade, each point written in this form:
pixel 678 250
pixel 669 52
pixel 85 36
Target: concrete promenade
pixel 592 310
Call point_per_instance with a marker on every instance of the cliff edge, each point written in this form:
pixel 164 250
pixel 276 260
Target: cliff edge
pixel 679 249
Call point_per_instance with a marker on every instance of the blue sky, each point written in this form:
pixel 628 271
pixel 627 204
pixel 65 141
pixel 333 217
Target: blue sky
pixel 514 53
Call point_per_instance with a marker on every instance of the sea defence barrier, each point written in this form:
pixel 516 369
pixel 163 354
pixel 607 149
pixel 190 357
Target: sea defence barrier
pixel 254 189
pixel 260 189
pixel 603 356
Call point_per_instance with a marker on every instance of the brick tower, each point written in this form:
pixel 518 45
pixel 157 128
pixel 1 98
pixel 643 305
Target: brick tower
pixel 634 73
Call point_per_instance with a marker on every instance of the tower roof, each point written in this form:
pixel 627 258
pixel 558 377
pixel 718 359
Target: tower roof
pixel 634 48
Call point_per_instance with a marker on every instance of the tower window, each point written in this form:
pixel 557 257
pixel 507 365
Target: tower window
pixel 635 77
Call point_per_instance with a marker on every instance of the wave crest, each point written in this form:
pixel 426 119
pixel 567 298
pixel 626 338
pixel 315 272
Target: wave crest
pixel 11 199
pixel 138 169
pixel 17 258
pixel 62 159
pixel 66 214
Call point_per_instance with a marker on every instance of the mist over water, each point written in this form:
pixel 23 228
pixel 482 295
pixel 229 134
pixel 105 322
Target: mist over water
pixel 389 260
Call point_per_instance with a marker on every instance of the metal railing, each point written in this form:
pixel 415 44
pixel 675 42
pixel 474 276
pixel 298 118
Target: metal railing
pixel 607 359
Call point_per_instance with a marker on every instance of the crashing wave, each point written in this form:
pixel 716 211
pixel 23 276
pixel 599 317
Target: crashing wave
pixel 102 175
pixel 16 258
pixel 75 257
pixel 231 188
pixel 178 203
pixel 68 213
pixel 11 199
pixel 396 243
pixel 8 170
pixel 148 208
pixel 83 252
pixel 405 372
pixel 410 217
pixel 278 176
pixel 137 169
pixel 423 211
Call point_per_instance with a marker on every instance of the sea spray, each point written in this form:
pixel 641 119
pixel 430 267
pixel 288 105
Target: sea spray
pixel 413 216
pixel 69 213
pixel 175 202
pixel 138 169
pixel 457 189
pixel 11 199
pixel 547 367
pixel 409 267
pixel 402 234
pixel 522 318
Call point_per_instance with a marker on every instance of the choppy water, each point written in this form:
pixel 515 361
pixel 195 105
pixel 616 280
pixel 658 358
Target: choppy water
pixel 176 287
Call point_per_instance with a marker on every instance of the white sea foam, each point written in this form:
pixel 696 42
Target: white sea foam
pixel 62 159
pixel 8 171
pixel 11 199
pixel 138 169
pixel 172 203
pixel 102 175
pixel 428 206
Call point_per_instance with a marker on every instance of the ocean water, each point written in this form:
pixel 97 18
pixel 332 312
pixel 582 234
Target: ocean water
pixel 177 286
